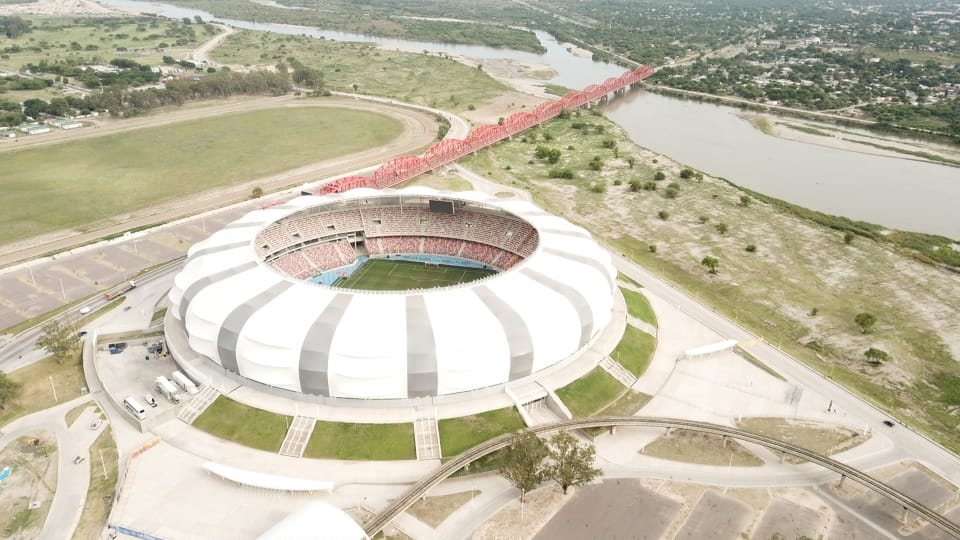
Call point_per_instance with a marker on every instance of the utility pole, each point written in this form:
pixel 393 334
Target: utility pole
pixel 103 464
pixel 54 388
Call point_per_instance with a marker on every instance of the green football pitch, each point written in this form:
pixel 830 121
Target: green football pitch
pixel 387 275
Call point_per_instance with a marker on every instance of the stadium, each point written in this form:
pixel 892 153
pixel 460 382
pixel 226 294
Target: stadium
pixel 391 295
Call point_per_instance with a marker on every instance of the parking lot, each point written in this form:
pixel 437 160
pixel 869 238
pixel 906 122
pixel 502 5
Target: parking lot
pixel 132 372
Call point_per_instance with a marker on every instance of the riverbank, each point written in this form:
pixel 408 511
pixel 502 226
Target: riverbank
pixel 794 112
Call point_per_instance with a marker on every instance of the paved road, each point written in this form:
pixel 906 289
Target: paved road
pixel 72 480
pixel 908 442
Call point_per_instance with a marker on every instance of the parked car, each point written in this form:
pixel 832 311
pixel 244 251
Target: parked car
pixel 96 423
pixel 85 309
pixel 151 401
pixel 888 423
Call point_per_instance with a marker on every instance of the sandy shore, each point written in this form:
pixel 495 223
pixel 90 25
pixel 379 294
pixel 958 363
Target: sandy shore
pixel 56 7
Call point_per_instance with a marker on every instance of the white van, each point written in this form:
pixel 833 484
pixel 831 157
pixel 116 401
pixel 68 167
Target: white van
pixel 134 406
pixel 184 382
pixel 167 389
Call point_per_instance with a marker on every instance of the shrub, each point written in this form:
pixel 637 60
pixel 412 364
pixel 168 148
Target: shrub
pixel 848 238
pixel 635 185
pixel 704 219
pixel 751 248
pixel 598 187
pixel 745 200
pixel 609 143
pixel 617 182
pixel 671 193
pixel 687 173
pixel 561 172
pixel 674 185
pixel 471 107
pixel 652 248
pixel 663 214
pixel 722 228
pixel 659 175
pixel 649 186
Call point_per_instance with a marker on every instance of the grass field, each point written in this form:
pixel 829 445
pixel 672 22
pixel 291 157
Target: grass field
pixel 387 275
pixel 635 350
pixel 413 78
pixel 100 492
pixel 338 440
pixel 591 393
pixel 459 434
pixel 75 184
pixel 36 394
pixel 237 422
pixel 638 306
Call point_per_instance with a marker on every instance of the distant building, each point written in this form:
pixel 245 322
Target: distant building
pixel 64 123
pixel 34 128
pixel 7 133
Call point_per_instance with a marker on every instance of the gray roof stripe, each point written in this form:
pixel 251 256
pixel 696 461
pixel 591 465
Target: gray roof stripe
pixel 245 224
pixel 422 377
pixel 514 327
pixel 315 352
pixel 579 302
pixel 566 232
pixel 194 289
pixel 583 260
pixel 218 249
pixel 229 333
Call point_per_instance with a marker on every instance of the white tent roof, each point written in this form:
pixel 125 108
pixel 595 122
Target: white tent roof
pixel 711 348
pixel 316 521
pixel 267 481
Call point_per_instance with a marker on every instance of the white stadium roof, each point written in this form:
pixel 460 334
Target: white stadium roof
pixel 243 314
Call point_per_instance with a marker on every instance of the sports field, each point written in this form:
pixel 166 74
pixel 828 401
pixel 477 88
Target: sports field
pixel 386 275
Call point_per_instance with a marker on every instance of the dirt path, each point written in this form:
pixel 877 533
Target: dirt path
pixel 201 54
pixel 419 130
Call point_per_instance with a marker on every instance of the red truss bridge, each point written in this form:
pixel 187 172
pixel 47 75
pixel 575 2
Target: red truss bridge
pixel 404 168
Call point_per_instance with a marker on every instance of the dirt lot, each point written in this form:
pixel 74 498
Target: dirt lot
pixel 823 439
pixel 704 449
pixel 26 494
pixel 538 507
pixel 433 510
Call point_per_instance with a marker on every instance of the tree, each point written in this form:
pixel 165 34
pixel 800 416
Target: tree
pixel 659 176
pixel 865 321
pixel 848 238
pixel 711 263
pixel 722 228
pixel 257 192
pixel 631 161
pixel 876 356
pixel 523 465
pixel 687 173
pixel 569 463
pixel 58 340
pixel 9 390
pixel 652 248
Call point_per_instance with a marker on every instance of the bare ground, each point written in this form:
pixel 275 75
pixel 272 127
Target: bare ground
pixel 26 494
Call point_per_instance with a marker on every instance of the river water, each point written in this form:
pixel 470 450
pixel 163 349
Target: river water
pixel 897 193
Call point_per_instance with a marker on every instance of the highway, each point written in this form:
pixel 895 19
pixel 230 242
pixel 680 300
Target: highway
pixel 420 489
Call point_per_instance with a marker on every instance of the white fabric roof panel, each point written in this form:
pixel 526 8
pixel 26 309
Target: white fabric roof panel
pixel 316 339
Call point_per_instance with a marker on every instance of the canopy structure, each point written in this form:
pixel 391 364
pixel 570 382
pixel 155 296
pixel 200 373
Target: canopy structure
pixel 710 349
pixel 551 295
pixel 267 481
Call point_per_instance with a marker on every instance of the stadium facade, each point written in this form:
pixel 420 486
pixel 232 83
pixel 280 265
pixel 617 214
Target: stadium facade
pixel 259 298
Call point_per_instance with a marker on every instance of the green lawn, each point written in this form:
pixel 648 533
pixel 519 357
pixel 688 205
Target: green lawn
pixel 413 78
pixel 74 184
pixel 338 440
pixel 591 393
pixel 52 37
pixel 242 424
pixel 388 275
pixel 638 306
pixel 635 350
pixel 100 491
pixel 36 393
pixel 459 434
pixel 627 279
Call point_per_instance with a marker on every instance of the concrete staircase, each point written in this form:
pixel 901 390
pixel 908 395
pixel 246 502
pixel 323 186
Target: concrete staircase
pixel 298 436
pixel 199 403
pixel 619 372
pixel 426 434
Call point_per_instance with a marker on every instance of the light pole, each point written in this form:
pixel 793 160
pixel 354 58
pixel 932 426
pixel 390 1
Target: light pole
pixel 103 464
pixel 54 388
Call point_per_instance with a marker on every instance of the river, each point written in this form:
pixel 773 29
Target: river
pixel 896 193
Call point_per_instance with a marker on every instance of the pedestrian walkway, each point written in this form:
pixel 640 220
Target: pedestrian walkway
pixel 642 325
pixel 195 407
pixel 426 434
pixel 295 443
pixel 541 413
pixel 618 372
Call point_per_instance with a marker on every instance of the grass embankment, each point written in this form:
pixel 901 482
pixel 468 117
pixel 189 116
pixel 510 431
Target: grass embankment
pixel 338 440
pixel 104 176
pixel 236 422
pixel 701 448
pixel 823 439
pixel 413 78
pixel 801 262
pixel 628 280
pixel 591 393
pixel 638 306
pixel 635 350
pixel 436 181
pixel 459 434
pixel 103 485
pixel 39 380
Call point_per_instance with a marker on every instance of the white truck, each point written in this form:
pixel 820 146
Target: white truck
pixel 168 389
pixel 184 383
